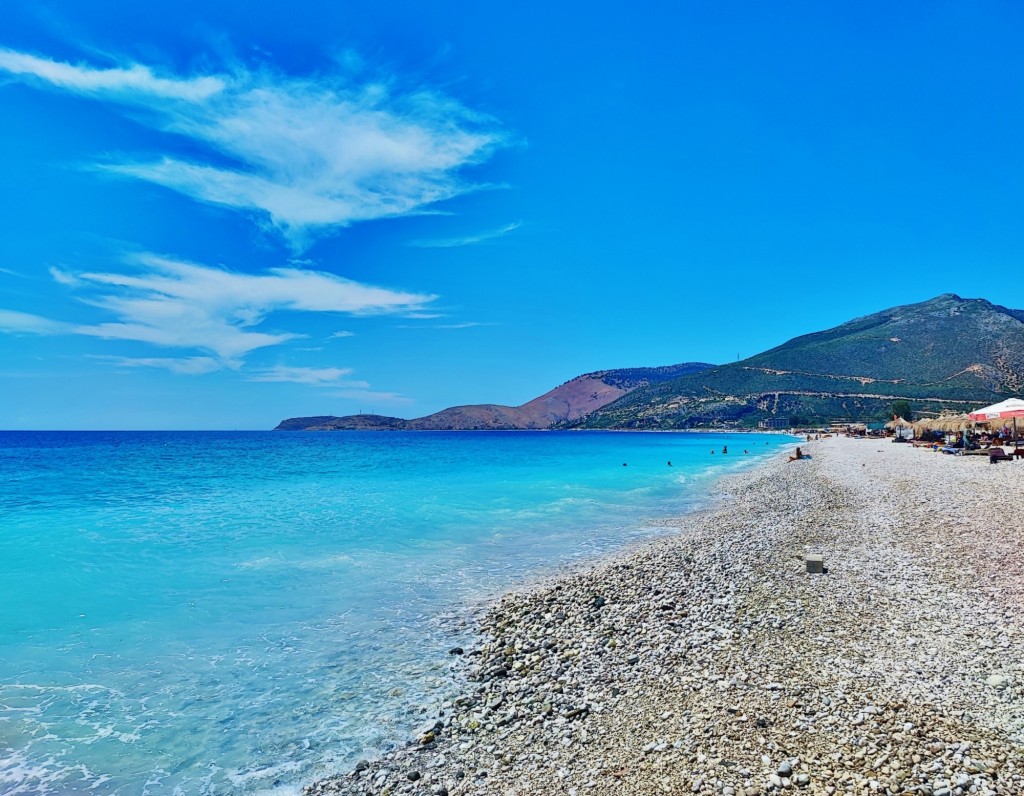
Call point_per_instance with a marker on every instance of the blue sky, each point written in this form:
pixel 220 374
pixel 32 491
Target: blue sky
pixel 220 214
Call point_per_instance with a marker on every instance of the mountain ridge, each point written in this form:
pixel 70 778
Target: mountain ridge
pixel 566 403
pixel 944 353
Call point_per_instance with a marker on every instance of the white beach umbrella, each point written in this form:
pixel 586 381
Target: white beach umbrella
pixel 1004 410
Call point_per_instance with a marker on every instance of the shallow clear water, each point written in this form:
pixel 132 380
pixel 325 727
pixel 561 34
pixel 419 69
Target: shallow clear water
pixel 213 613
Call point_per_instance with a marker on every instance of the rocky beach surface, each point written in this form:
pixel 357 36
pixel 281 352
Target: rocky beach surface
pixel 710 661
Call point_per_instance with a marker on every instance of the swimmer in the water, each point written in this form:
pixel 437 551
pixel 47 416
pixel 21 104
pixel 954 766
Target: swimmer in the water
pixel 725 449
pixel 670 464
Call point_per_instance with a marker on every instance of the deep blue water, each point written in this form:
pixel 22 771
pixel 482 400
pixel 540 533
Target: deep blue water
pixel 214 613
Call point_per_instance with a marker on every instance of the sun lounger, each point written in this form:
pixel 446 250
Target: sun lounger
pixel 999 455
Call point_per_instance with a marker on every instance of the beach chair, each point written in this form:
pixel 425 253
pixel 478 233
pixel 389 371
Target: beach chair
pixel 999 455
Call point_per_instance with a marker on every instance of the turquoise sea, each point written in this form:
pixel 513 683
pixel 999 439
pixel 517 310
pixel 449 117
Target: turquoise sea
pixel 222 613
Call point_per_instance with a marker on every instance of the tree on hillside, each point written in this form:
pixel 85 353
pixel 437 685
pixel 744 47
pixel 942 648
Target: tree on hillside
pixel 901 408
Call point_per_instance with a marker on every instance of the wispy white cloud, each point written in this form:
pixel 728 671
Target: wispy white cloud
pixel 213 311
pixel 184 305
pixel 308 155
pixel 134 79
pixel 464 325
pixel 13 321
pixel 62 277
pixel 467 240
pixel 373 395
pixel 190 366
pixel 316 376
pixel 342 333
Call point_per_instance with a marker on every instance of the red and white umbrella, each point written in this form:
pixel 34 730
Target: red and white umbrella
pixel 1004 410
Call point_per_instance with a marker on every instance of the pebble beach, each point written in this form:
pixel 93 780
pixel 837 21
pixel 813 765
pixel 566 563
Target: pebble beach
pixel 710 661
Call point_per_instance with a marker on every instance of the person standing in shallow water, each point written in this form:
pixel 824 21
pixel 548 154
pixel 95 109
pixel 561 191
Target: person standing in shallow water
pixel 725 449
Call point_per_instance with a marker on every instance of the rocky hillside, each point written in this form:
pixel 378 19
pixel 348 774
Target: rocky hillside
pixel 565 404
pixel 946 353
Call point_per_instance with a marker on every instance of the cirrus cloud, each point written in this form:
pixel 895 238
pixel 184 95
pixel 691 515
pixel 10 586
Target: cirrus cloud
pixel 88 80
pixel 317 376
pixel 306 155
pixel 467 240
pixel 190 366
pixel 213 311
pixel 13 321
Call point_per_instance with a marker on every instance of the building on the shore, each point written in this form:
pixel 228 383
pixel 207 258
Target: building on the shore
pixel 774 422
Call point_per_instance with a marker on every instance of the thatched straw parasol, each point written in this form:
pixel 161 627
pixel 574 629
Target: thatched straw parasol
pixel 930 423
pixel 957 423
pixel 898 422
pixel 948 422
pixel 923 424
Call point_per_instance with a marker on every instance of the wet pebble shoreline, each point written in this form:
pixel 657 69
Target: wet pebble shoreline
pixel 709 661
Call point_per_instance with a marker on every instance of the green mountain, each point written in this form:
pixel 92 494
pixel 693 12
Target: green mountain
pixel 946 353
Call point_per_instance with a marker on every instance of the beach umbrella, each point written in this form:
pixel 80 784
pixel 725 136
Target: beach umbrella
pixel 1011 408
pixel 956 423
pixel 897 424
pixel 939 423
pixel 923 424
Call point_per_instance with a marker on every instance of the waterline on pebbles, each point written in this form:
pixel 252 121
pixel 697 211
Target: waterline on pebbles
pixel 711 662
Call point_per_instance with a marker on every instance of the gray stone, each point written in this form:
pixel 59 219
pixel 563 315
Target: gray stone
pixel 815 564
